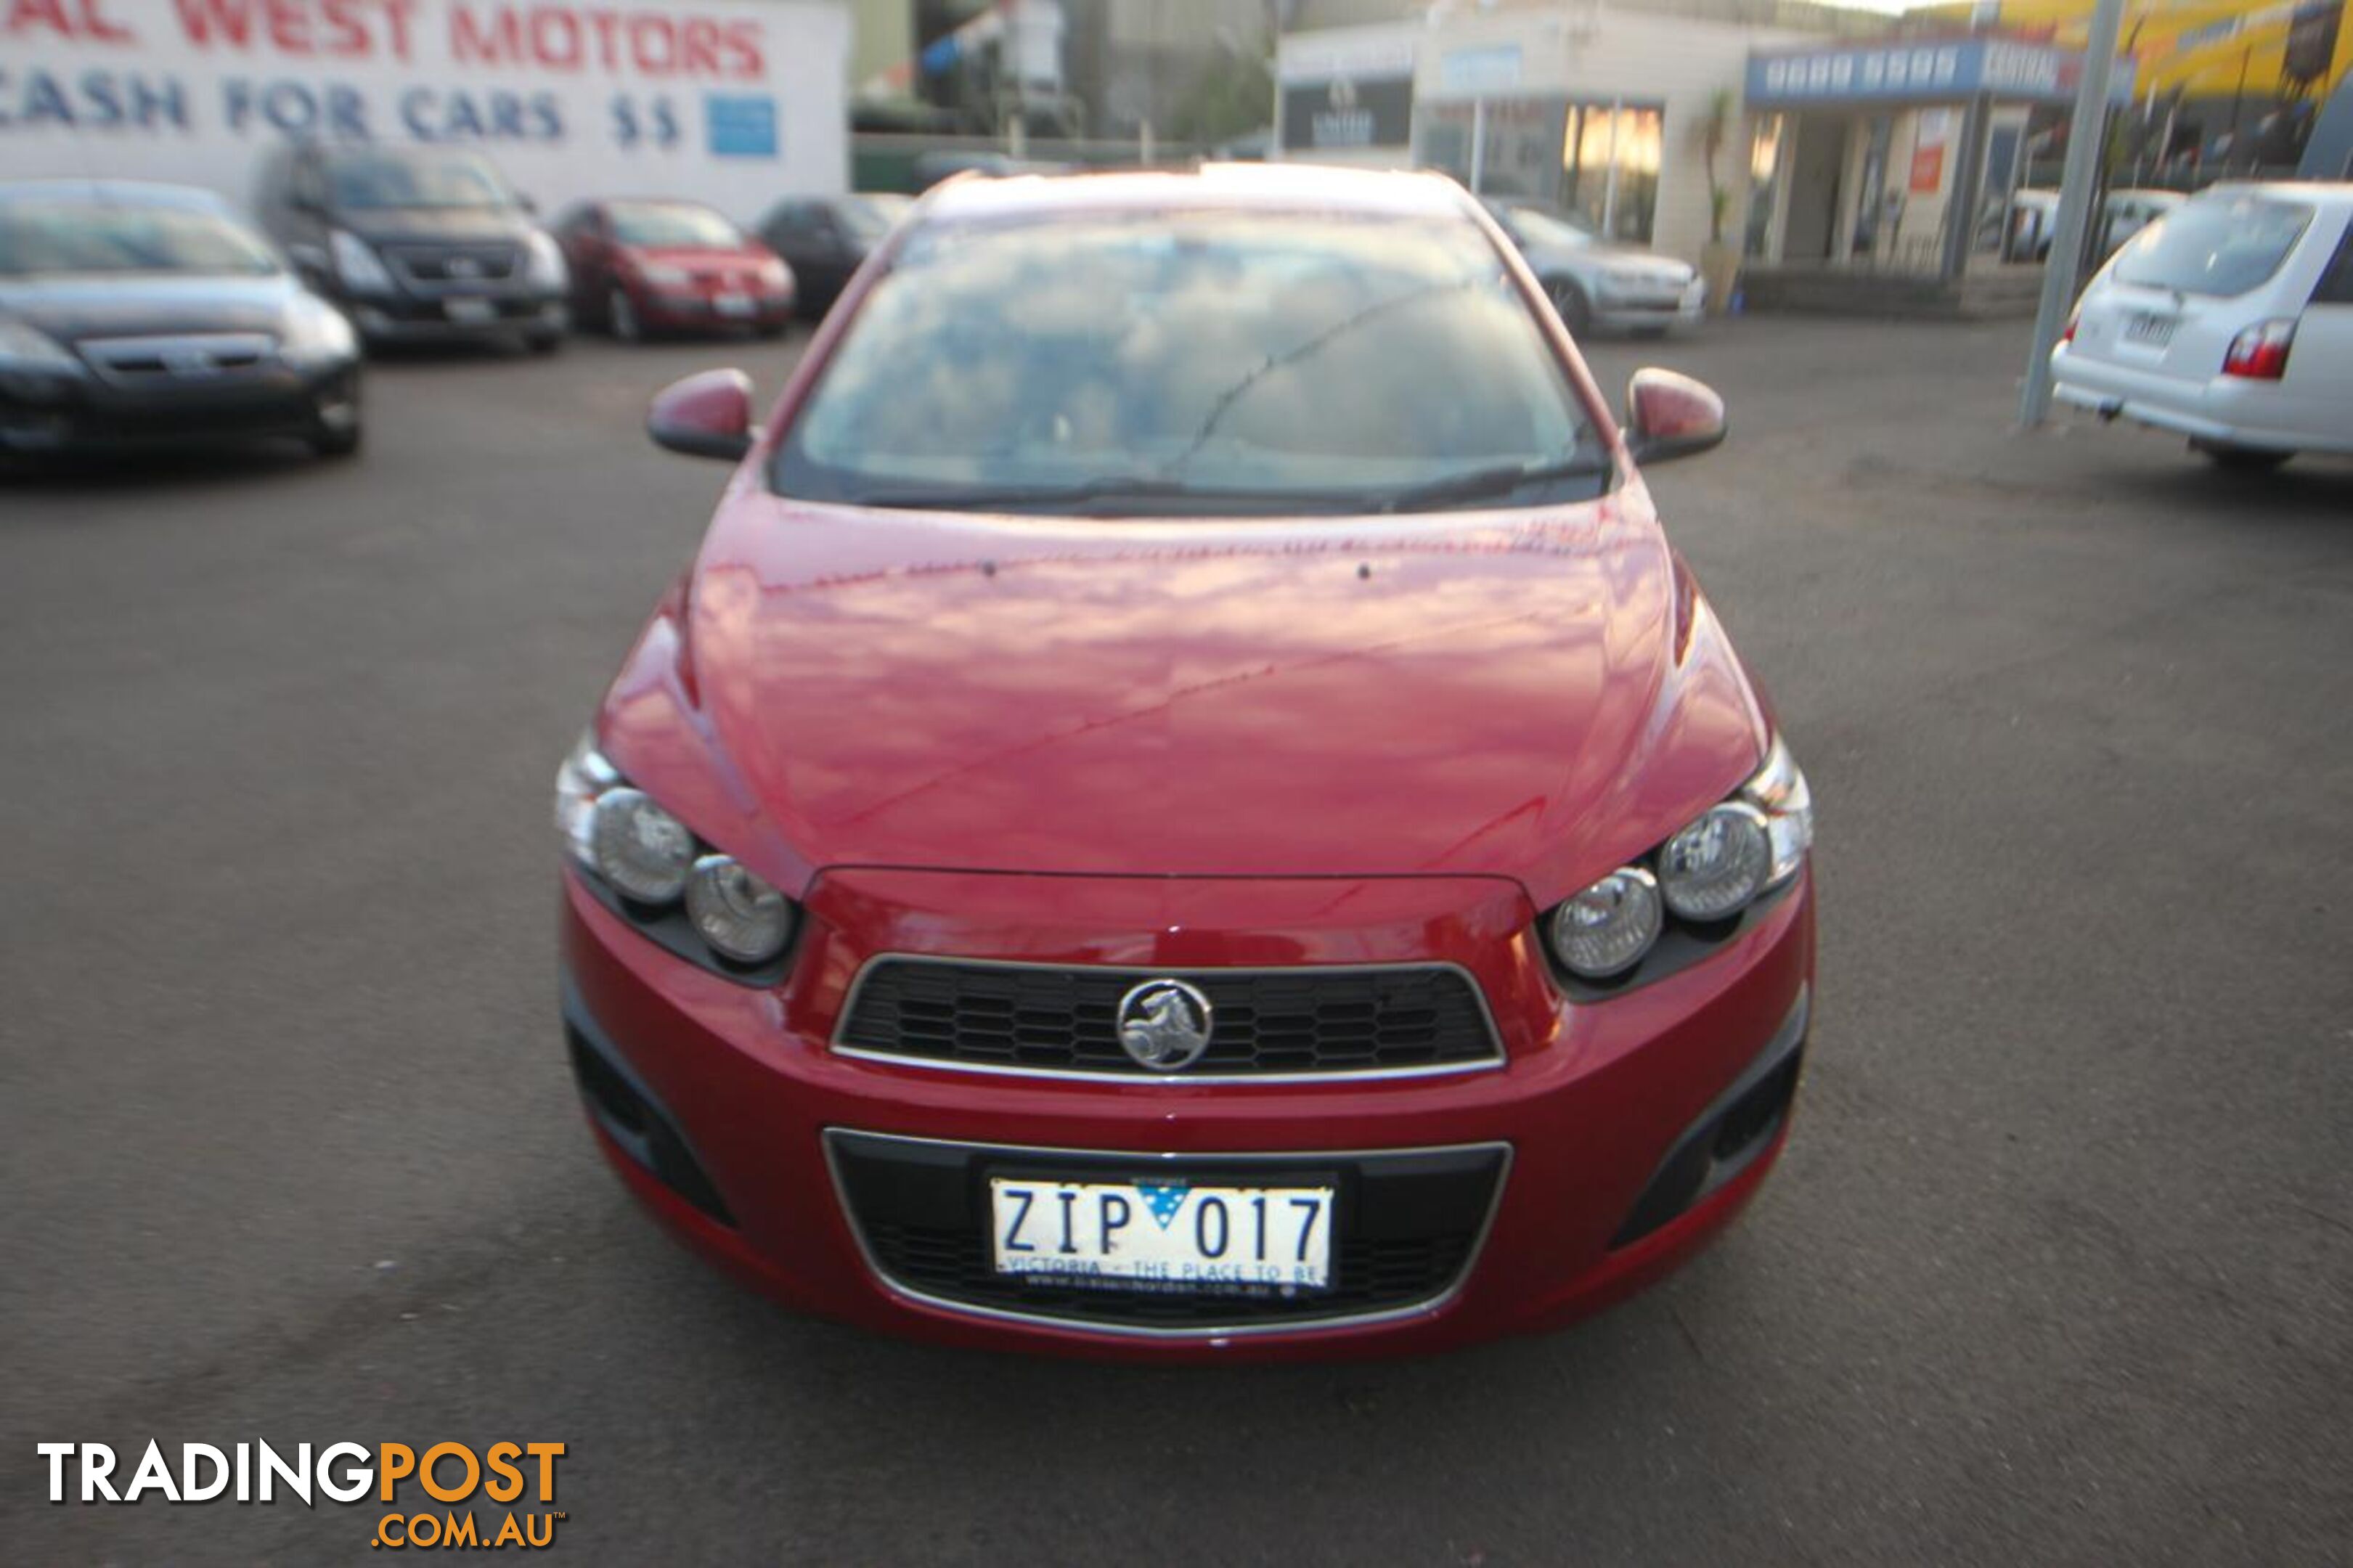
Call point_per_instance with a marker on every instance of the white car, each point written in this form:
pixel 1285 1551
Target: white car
pixel 2230 321
pixel 1596 283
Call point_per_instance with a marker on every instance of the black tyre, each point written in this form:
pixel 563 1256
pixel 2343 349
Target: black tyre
pixel 621 316
pixel 1575 310
pixel 335 420
pixel 543 343
pixel 2240 459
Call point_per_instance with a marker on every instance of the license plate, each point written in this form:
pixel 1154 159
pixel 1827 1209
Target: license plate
pixel 1170 1235
pixel 2150 332
pixel 731 305
pixel 471 312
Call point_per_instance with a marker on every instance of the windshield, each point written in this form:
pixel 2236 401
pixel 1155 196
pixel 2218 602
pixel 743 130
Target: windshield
pixel 2221 246
pixel 871 217
pixel 363 180
pixel 38 237
pixel 1535 228
pixel 1238 363
pixel 661 224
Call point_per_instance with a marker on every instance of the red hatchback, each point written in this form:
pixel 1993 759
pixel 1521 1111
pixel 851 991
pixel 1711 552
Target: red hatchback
pixel 640 267
pixel 1185 805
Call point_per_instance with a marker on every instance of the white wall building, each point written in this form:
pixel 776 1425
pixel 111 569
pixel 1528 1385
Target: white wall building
pixel 1596 108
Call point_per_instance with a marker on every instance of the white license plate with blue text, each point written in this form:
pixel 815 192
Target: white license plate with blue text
pixel 733 304
pixel 469 312
pixel 1173 1234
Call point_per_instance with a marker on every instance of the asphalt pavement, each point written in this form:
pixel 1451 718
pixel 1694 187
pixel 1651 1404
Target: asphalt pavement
pixel 2058 1268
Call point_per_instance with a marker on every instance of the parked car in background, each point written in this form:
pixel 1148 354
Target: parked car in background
pixel 1598 284
pixel 2231 323
pixel 1215 827
pixel 2034 218
pixel 417 243
pixel 930 168
pixel 646 265
pixel 134 312
pixel 2127 212
pixel 826 238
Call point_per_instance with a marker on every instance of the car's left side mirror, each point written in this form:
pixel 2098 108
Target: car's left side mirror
pixel 1670 415
pixel 706 415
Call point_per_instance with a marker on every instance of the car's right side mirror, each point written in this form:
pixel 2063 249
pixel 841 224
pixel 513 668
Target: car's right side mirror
pixel 1670 415
pixel 706 415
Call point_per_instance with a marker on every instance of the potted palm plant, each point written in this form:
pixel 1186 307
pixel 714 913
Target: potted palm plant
pixel 1719 263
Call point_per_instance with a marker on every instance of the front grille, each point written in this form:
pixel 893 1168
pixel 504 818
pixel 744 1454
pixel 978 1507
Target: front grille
pixel 181 356
pixel 1406 1226
pixel 1015 1017
pixel 1369 1277
pixel 458 264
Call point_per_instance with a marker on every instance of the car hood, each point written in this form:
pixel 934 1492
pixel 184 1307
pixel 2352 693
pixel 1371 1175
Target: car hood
pixel 1622 258
pixel 69 309
pixel 436 225
pixel 1540 695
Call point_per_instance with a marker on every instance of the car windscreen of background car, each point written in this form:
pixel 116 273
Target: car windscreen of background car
pixel 1542 228
pixel 365 180
pixel 871 217
pixel 87 237
pixel 1226 363
pixel 2221 246
pixel 663 224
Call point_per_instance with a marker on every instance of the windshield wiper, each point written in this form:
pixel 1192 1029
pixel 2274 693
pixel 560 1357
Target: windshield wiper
pixel 1481 483
pixel 1112 486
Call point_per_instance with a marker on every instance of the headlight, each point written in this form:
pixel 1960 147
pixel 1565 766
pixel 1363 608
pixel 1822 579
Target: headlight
pixel 738 914
pixel 1608 928
pixel 641 848
pixel 626 843
pixel 1779 791
pixel 661 275
pixel 317 333
pixel 545 261
pixel 1706 875
pixel 1712 870
pixel 362 270
pixel 26 348
pixel 775 276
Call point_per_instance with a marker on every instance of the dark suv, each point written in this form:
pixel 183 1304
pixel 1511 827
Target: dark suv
pixel 416 243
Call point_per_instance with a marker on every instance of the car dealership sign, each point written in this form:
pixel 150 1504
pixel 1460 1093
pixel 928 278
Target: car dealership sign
pixel 1949 70
pixel 733 102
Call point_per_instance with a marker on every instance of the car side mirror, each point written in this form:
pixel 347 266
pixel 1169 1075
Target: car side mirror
pixel 706 415
pixel 1670 415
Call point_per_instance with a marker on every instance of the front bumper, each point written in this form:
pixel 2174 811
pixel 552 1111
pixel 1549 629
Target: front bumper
pixel 400 318
pixel 1636 312
pixel 706 313
pixel 1618 1137
pixel 50 412
pixel 2223 411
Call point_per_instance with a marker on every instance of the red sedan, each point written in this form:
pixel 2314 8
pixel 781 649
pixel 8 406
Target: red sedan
pixel 640 267
pixel 1186 806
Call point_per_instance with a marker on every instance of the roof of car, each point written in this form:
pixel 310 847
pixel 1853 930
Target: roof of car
pixel 1316 187
pixel 2331 193
pixel 115 193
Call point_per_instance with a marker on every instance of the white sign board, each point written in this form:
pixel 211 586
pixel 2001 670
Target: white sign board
pixel 735 103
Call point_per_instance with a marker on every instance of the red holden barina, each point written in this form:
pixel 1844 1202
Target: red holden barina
pixel 640 267
pixel 1186 806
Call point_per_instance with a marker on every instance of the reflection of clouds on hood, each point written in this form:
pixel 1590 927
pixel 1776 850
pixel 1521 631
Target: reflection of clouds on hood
pixel 1295 351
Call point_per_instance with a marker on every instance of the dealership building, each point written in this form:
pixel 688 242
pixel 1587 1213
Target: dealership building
pixel 1854 156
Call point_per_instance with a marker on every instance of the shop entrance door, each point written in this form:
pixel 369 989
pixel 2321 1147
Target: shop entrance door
pixel 1816 163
